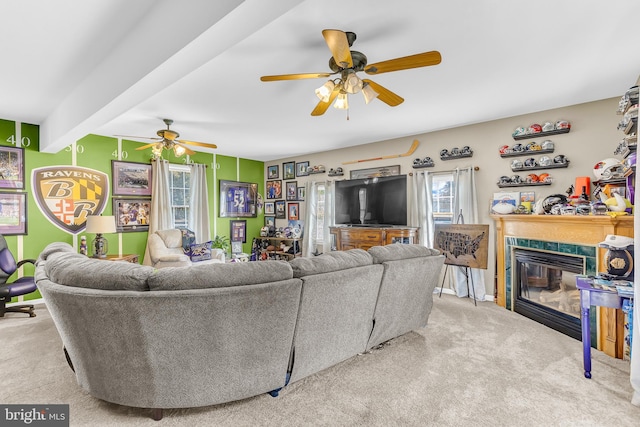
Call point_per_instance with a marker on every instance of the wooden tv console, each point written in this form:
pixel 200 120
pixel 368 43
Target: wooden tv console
pixel 352 237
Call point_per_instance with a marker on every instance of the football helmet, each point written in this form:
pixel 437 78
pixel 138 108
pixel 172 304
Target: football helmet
pixel 563 124
pixel 533 146
pixel 547 145
pixel 544 161
pixel 530 162
pixel 535 128
pixel 561 159
pixel 516 164
pixel 518 148
pixel 444 153
pixel 520 131
pixel 602 166
pixel 548 126
pixel 532 177
pixel 504 149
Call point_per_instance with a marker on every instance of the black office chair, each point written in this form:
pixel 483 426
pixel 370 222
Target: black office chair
pixel 21 286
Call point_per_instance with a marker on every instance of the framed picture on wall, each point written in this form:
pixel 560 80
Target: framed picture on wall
pixel 294 211
pixel 238 199
pixel 131 214
pixel 273 172
pixel 274 189
pixel 11 167
pixel 289 170
pixel 269 208
pixel 270 221
pixel 302 168
pixel 131 179
pixel 301 192
pixel 13 213
pixel 280 209
pixel 292 190
pixel 239 231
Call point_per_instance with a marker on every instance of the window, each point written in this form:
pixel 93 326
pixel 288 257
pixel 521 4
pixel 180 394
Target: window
pixel 442 193
pixel 180 184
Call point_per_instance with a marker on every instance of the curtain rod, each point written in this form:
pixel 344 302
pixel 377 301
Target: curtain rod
pixel 475 168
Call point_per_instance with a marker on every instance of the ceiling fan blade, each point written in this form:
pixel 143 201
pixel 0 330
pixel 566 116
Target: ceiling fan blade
pixel 144 147
pixel 406 62
pixel 294 76
pixel 339 47
pixel 322 106
pixel 140 137
pixel 187 150
pixel 384 94
pixel 197 144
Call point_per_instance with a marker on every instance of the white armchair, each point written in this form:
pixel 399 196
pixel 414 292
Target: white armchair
pixel 165 250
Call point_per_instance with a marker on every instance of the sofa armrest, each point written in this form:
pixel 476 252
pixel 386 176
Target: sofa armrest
pixel 218 254
pixel 172 260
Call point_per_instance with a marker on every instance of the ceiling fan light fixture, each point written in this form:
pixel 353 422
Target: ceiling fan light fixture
pixel 342 102
pixel 351 82
pixel 324 91
pixel 178 150
pixel 368 93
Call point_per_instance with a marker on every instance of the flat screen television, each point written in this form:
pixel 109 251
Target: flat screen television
pixel 379 202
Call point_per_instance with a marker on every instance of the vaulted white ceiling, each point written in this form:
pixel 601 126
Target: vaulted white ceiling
pixel 112 67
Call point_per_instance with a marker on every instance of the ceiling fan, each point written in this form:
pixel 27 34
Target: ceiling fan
pixel 347 63
pixel 168 140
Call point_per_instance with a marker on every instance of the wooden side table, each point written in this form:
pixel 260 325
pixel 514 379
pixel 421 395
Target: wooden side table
pixel 133 258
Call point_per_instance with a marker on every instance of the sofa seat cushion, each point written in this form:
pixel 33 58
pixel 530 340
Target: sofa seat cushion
pixel 219 275
pixel 397 252
pixel 332 261
pixel 72 269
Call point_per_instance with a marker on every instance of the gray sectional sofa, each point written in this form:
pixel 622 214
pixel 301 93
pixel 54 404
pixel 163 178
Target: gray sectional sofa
pixel 194 336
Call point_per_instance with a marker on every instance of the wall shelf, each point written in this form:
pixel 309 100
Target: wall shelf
pixel 541 134
pixel 533 168
pixel 527 153
pixel 524 184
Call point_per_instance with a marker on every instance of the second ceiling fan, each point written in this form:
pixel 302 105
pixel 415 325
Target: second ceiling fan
pixel 347 63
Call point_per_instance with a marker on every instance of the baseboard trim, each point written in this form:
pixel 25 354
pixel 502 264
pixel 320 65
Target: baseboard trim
pixel 488 298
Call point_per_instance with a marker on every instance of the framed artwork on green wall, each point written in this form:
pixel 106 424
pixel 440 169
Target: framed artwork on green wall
pixel 13 213
pixel 238 199
pixel 131 179
pixel 11 167
pixel 132 214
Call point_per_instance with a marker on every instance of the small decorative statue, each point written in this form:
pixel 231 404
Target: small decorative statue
pixel 83 245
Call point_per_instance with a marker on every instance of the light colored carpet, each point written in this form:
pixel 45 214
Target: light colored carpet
pixel 471 366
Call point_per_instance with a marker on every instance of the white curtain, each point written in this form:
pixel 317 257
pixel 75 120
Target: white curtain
pixel 635 338
pixel 160 217
pixel 421 206
pixel 199 203
pixel 465 202
pixel 310 239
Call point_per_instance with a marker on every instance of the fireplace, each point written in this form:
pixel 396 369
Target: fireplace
pixel 545 289
pixel 572 235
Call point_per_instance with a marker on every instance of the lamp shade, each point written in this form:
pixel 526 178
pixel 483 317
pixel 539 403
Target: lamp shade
pixel 101 224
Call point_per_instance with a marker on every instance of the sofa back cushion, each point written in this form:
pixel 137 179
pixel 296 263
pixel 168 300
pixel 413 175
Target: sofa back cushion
pixel 72 269
pixel 219 275
pixel 332 261
pixel 397 252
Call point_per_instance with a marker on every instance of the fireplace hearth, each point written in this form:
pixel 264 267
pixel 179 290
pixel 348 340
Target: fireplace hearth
pixel 545 289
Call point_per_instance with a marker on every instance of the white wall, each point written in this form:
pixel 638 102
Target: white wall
pixel 593 137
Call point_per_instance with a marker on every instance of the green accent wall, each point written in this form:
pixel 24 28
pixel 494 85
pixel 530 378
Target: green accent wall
pixel 97 152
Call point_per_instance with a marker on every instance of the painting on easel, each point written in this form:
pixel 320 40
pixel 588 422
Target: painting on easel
pixel 464 245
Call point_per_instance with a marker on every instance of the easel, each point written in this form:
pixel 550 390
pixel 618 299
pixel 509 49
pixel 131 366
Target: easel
pixel 467 272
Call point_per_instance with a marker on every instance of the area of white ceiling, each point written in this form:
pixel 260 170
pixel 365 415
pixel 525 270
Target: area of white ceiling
pixel 113 67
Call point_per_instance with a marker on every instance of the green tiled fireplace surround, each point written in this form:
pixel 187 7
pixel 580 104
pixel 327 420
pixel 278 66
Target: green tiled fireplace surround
pixel 589 253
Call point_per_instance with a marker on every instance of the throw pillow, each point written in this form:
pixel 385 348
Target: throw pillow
pixel 201 251
pixel 188 239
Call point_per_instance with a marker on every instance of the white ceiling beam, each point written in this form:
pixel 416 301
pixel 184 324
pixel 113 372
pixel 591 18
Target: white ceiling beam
pixel 169 44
